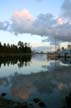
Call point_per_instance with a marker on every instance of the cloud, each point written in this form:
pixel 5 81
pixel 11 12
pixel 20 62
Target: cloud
pixel 24 22
pixel 23 14
pixel 60 21
pixel 66 9
pixel 62 32
pixel 4 25
pixel 44 24
pixel 21 22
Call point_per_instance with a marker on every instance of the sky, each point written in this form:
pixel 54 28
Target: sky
pixel 33 21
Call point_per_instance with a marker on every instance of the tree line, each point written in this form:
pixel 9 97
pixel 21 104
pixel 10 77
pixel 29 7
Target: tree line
pixel 19 48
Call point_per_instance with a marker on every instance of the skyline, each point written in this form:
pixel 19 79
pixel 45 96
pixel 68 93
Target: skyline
pixel 35 20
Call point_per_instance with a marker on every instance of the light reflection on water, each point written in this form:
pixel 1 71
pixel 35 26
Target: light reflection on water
pixel 48 79
pixel 23 67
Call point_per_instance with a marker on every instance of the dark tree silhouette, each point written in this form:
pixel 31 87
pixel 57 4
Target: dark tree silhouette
pixel 21 48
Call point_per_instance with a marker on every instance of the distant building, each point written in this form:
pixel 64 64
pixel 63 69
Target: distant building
pixel 65 53
pixel 53 55
pixel 69 47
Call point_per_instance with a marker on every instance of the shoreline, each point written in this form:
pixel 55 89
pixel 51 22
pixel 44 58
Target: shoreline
pixel 7 103
pixel 14 54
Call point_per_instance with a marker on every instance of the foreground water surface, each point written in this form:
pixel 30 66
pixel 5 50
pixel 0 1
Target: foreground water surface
pixel 36 76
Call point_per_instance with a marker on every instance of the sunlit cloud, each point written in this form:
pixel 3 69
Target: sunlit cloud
pixel 23 14
pixel 21 22
pixel 60 21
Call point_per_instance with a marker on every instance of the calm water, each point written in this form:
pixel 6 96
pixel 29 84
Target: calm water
pixel 36 76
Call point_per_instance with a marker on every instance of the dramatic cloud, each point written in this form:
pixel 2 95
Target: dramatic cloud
pixel 44 24
pixel 62 32
pixel 22 22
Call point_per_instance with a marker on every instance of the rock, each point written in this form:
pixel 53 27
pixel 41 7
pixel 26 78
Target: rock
pixel 70 93
pixel 42 104
pixel 68 101
pixel 25 105
pixel 30 105
pixel 36 100
pixel 3 94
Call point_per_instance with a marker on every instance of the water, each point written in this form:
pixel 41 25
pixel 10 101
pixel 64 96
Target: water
pixel 36 76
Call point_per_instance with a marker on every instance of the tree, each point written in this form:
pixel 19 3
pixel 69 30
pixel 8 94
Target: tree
pixel 21 48
pixel 20 44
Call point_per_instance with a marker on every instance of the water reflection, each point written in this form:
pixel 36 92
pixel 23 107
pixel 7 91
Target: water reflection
pixel 12 60
pixel 66 61
pixel 50 79
pixel 54 65
pixel 26 60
